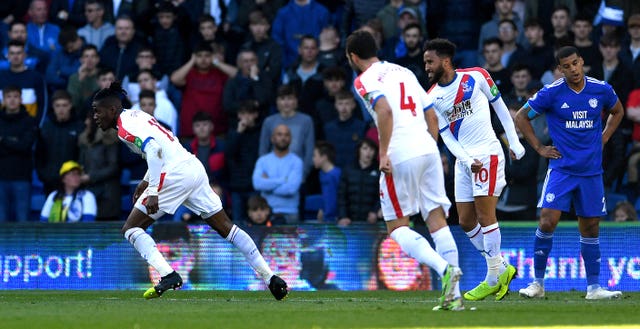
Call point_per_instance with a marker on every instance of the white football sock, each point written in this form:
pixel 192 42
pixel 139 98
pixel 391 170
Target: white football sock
pixel 477 239
pixel 245 244
pixel 446 247
pixel 416 246
pixel 147 248
pixel 495 264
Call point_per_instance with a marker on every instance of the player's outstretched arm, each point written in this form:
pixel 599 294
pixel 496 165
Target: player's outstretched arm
pixel 509 128
pixel 615 117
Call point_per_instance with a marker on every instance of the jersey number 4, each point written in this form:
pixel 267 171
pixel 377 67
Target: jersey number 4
pixel 406 102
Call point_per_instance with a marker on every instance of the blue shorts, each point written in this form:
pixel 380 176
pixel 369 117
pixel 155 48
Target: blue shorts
pixel 586 192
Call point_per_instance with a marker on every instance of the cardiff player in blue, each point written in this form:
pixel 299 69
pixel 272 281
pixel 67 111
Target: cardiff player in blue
pixel 573 106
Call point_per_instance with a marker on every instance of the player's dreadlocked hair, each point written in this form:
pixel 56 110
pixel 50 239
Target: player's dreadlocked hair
pixel 442 47
pixel 114 92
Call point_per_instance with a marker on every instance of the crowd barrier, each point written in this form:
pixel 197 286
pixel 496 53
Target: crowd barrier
pixel 308 257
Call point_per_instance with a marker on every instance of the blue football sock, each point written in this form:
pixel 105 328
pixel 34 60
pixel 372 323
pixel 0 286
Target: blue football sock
pixel 541 249
pixel 590 250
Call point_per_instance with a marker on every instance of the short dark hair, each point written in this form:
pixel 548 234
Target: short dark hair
pixel 442 47
pixel 90 47
pixel 201 116
pixel 308 37
pixel 144 49
pixel 104 71
pixel 491 41
pixel 67 35
pixel 15 43
pixel 247 106
pixel 60 94
pixel 16 22
pixel 369 143
pixel 202 46
pixel 533 22
pixel 148 71
pixel 165 7
pixel 334 73
pixel 584 18
pixel 412 26
pixel 520 67
pixel 257 17
pixel 147 94
pixel 344 94
pixel 362 44
pixel 565 52
pixel 510 22
pixel 11 88
pixel 257 202
pixel 286 90
pixel 327 149
pixel 206 18
pixel 610 39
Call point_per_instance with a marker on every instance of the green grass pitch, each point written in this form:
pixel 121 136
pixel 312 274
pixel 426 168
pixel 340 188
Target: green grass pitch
pixel 325 309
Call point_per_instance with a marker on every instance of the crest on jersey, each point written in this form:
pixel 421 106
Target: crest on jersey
pixel 550 197
pixel 593 103
pixel 138 142
pixel 494 90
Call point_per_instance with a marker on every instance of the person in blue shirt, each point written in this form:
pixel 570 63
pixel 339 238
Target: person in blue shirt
pixel 324 156
pixel 278 176
pixel 573 106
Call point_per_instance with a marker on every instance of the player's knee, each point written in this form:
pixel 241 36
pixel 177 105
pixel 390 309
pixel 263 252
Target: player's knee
pixel 131 233
pixel 548 223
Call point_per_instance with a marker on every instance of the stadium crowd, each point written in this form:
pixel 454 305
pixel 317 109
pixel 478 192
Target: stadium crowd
pixel 261 92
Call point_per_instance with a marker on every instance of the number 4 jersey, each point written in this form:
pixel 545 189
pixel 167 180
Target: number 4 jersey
pixel 408 101
pixel 136 128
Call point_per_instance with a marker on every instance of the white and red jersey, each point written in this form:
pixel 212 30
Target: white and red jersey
pixel 137 128
pixel 462 106
pixel 410 137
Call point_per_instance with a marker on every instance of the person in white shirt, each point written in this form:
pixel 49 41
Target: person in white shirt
pixel 412 179
pixel 174 177
pixel 461 101
pixel 164 111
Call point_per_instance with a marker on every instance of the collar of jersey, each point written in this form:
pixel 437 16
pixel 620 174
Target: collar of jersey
pixel 455 76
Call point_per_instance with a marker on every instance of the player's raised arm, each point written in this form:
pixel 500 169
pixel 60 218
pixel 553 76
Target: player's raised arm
pixel 615 117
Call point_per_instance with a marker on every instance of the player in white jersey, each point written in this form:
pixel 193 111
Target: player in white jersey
pixel 412 178
pixel 174 177
pixel 461 101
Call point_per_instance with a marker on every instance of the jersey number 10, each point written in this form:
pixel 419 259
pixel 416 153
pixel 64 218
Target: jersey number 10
pixel 408 104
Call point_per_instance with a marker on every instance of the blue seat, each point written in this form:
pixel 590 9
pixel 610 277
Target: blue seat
pixel 37 201
pixel 613 199
pixel 312 203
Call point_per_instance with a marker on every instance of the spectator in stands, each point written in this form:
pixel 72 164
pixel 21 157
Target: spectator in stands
pixel 345 132
pixel 413 58
pixel 520 79
pixel 278 176
pixel 164 111
pixel 359 191
pixel 137 10
pixel 300 128
pixel 67 13
pixel 268 51
pixel 84 82
pixel 34 93
pixel 625 212
pixel 208 33
pixel 503 10
pixel 18 133
pixel 323 159
pixel 492 53
pixel 145 60
pixel 57 140
pixel 97 29
pixel 202 82
pixel 99 157
pixel 519 198
pixel 268 9
pixel 395 46
pixel 633 164
pixel 329 51
pixel 512 52
pixel 40 33
pixel 305 74
pixel 560 25
pixel 258 212
pixel 70 202
pixel 169 43
pixel 295 19
pixel 389 17
pixel 241 155
pixel 582 29
pixel 65 61
pixel 119 51
pixel 334 79
pixel 629 53
pixel 249 84
pixel 539 55
pixel 147 103
pixel 543 10
pixel 616 73
pixel 36 59
pixel 207 148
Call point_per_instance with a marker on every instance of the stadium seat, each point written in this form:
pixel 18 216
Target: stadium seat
pixel 37 201
pixel 613 199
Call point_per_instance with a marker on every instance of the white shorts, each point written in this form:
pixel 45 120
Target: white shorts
pixel 488 182
pixel 186 185
pixel 414 185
